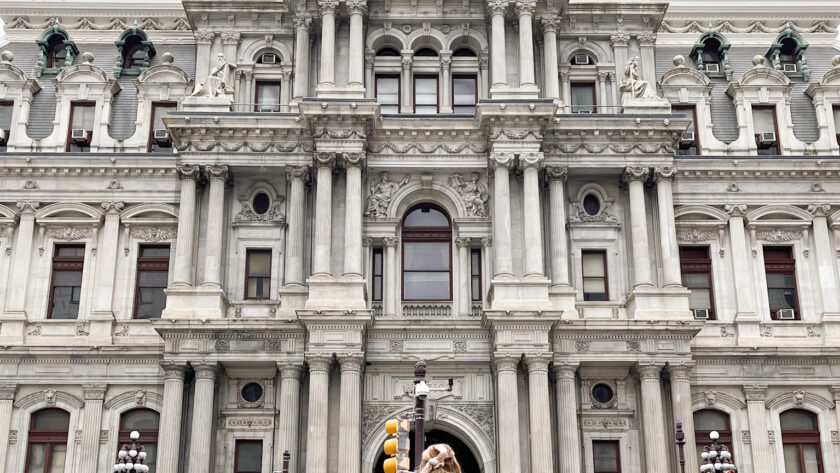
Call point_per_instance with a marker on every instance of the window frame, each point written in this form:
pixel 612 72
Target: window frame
pixel 421 235
pixel 73 106
pixel 76 260
pixel 377 273
pixel 264 83
pixel 248 277
pixel 768 269
pixel 437 91
pixel 475 254
pixel 156 106
pixel 697 142
pixel 804 437
pixel 124 435
pixel 148 260
pixel 474 78
pixel 778 146
pixel 48 438
pixel 11 105
pixel 584 277
pixel 593 86
pixel 835 112
pixel 701 437
pixel 399 89
pixel 238 442
pixel 617 445
pixel 700 266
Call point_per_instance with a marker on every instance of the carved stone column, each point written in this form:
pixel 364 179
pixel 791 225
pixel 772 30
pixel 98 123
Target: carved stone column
pixel 391 292
pixel 354 163
pixel 667 228
pixel 652 415
pixel 498 60
pixel 218 175
pixel 406 101
pixel 532 214
pixel 7 401
pixel 92 423
pixel 762 456
pixel 508 411
pixel 741 262
pixel 552 73
pixel 350 423
pixel 501 163
pixel 357 10
pixel 559 246
pixel 202 431
pixel 566 91
pixel 567 421
pixel 602 90
pixel 169 436
pixel 370 56
pixel 303 21
pixel 287 420
pixel 446 81
pixel 297 176
pixel 824 257
pixel 681 405
pixel 619 43
pixel 324 163
pixel 189 175
pixel 319 385
pixel 647 43
pixel 285 90
pixel 525 11
pixel 327 68
pixel 230 43
pixel 464 296
pixel 539 406
pixel 484 73
pixel 636 178
pixel 21 260
pixel 203 43
pixel 107 262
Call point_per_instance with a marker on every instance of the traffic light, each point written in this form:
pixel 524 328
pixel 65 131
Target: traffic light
pixel 397 446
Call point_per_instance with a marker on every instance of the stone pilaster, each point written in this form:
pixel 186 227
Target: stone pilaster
pixel 169 436
pixel 525 12
pixel 667 229
pixel 357 10
pixel 824 258
pixel 681 405
pixel 297 176
pixel 620 42
pixel 559 245
pixel 354 163
pixel 203 43
pixel 327 69
pixel 202 431
pixel 217 174
pixel 391 293
pixel 287 421
pixel 652 415
pixel 762 456
pixel 7 400
pixel 406 81
pixel 508 411
pixel 21 260
pixel 107 262
pixel 350 422
pixel 532 213
pixel 446 81
pixel 183 275
pixel 92 423
pixel 552 73
pixel 636 177
pixel 567 421
pixel 741 265
pixel 498 61
pixel 324 163
pixel 647 43
pixel 464 268
pixel 501 163
pixel 230 43
pixel 302 21
pixel 539 405
pixel 316 433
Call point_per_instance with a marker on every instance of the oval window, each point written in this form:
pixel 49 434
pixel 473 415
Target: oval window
pixel 591 204
pixel 260 203
pixel 252 392
pixel 602 393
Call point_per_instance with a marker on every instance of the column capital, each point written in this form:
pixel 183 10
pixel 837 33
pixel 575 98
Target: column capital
pixel 487 242
pixel 835 391
pixel 7 391
pixel 550 23
pixel 664 173
pixel 327 6
pixel 497 7
pixel 501 160
pixel 406 60
pixel 217 171
pixel 819 210
pixel 565 370
pixel 391 242
pixel 619 40
pixel 735 210
pixel 299 173
pixel 483 62
pixel 302 21
pixel 681 372
pixel 28 206
pixel 505 363
pixel 231 37
pixel 324 160
pixel 531 160
pixel 352 363
pixel 525 7
pixel 646 39
pixel 367 242
pixel 94 392
pixel 755 392
pixel 204 37
pixel 205 370
pixel 112 207
pixel 649 371
pixel 463 242
pixel 358 7
pixel 537 364
pixel 354 159
pixel 602 77
pixel 554 173
pixel 319 363
pixel 290 370
pixel 189 171
pixel 635 174
pixel 173 371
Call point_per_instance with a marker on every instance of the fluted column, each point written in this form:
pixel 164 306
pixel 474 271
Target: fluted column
pixel 357 10
pixel 354 163
pixel 647 44
pixel 741 262
pixel 287 420
pixel 498 64
pixel 667 228
pixel 681 405
pixel 92 414
pixel 484 76
pixel 568 454
pixel 327 68
pixel 540 422
pixel 525 11
pixel 21 259
pixel 602 91
pixel 7 401
pixel 508 411
pixel 501 163
pixel 201 432
pixel 297 176
pixel 532 213
pixel 230 43
pixel 188 174
pixel 446 81
pixel 316 433
pixel 566 91
pixel 652 415
pixel 619 43
pixel 762 455
pixel 406 86
pixel 324 163
pixel 559 247
pixel 203 43
pixel 350 424
pixel 303 21
pixel 169 434
pixel 391 292
pixel 217 174
pixel 107 263
pixel 824 258
pixel 636 177
pixel 464 296
pixel 552 73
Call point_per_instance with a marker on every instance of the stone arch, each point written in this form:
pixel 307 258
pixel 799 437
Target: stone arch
pixel 82 73
pixel 46 399
pixel 139 210
pixel 474 40
pixel 380 38
pixel 595 50
pixel 809 402
pixel 700 212
pixel 249 54
pixel 420 38
pixel 75 207
pixel 763 75
pixel 719 400
pixel 6 212
pixel 9 73
pixel 682 75
pixel 164 73
pixel 789 211
pixel 416 192
pixel 125 402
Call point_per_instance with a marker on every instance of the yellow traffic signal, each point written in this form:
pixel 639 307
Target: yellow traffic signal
pixel 397 446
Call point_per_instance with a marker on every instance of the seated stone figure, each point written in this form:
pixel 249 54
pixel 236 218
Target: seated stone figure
pixel 633 87
pixel 220 80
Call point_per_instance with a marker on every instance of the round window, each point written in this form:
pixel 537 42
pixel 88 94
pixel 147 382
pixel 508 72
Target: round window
pixel 260 203
pixel 591 204
pixel 252 392
pixel 602 393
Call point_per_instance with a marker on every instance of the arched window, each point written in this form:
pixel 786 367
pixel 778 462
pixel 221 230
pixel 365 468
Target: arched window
pixel 134 54
pixel 464 52
pixel 56 52
pixel 787 54
pixel 388 52
pixel 427 254
pixel 707 421
pixel 801 442
pixel 710 54
pixel 146 422
pixel 425 52
pixel 47 445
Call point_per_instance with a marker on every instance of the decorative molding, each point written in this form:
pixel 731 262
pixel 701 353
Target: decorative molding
pixel 381 193
pixel 152 234
pixel 757 26
pixel 605 423
pixel 474 194
pixel 250 422
pixel 89 23
pixel 695 234
pixel 778 235
pixel 247 214
pixel 428 148
pixel 69 233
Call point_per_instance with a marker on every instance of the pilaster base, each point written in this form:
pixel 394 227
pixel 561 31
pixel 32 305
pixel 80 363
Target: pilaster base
pixel 659 303
pixel 831 328
pixel 219 103
pixel 646 106
pixel 564 298
pixel 336 293
pixel 349 92
pixel 100 327
pixel 520 294
pixel 12 328
pixel 522 331
pixel 748 328
pixel 530 91
pixel 293 296
pixel 200 302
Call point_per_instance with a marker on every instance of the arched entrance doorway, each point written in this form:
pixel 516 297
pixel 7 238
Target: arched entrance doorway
pixel 468 462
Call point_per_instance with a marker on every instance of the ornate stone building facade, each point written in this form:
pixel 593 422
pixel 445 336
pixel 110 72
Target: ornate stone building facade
pixel 235 226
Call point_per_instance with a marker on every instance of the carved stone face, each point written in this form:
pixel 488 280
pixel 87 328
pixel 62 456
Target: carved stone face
pixel 220 59
pixel 384 176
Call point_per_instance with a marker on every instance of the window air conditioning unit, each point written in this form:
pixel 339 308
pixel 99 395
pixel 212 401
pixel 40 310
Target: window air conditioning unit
pixel 585 110
pixel 687 138
pixel 79 135
pixel 581 59
pixel 701 314
pixel 712 67
pixel 269 58
pixel 785 314
pixel 266 109
pixel 768 138
pixel 162 136
pixel 789 67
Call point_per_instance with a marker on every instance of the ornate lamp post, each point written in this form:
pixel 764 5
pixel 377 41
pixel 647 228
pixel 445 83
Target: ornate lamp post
pixel 716 458
pixel 131 458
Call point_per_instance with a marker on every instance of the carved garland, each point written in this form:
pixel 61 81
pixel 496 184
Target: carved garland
pixel 696 26
pixel 24 22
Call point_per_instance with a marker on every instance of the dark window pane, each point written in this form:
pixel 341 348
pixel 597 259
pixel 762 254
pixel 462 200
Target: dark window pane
pixel 68 251
pixel 711 420
pixel 65 303
pixel 426 286
pixel 764 120
pixel 268 93
pixel 779 280
pixel 154 252
pixel 425 95
pixel 430 256
pixel 797 420
pixel 464 94
pixel 258 274
pixel 583 97
pixel 781 298
pixel 425 52
pixel 261 203
pixel 388 94
pixel 5 116
pixel 259 263
pixel 426 217
pixel 605 456
pixel 57 458
pixel 151 302
pixel 248 456
pixel 591 204
pixel 37 457
pixel 51 419
pixel 83 117
pixel 140 419
pixel 388 52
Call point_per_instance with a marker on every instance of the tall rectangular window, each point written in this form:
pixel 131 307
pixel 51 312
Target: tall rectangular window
pixel 780 270
pixel 475 274
pixel 388 94
pixel 594 264
pixel 837 122
pixel 464 94
pixel 248 456
pixel 376 277
pixel 66 283
pixel 258 274
pixel 152 277
pixel 690 142
pixel 606 456
pixel 267 96
pixel 159 141
pixel 583 97
pixel 6 109
pixel 81 126
pixel 696 268
pixel 766 130
pixel 426 95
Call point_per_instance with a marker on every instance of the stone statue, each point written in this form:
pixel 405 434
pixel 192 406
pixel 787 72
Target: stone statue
pixel 633 87
pixel 219 82
pixel 473 193
pixel 381 194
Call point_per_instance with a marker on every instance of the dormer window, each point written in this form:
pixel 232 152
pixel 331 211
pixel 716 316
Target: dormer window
pixel 134 55
pixel 6 109
pixel 135 52
pixel 57 50
pixel 710 54
pixel 787 54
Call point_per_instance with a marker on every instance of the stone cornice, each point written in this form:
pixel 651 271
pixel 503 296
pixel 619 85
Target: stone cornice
pixel 58 166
